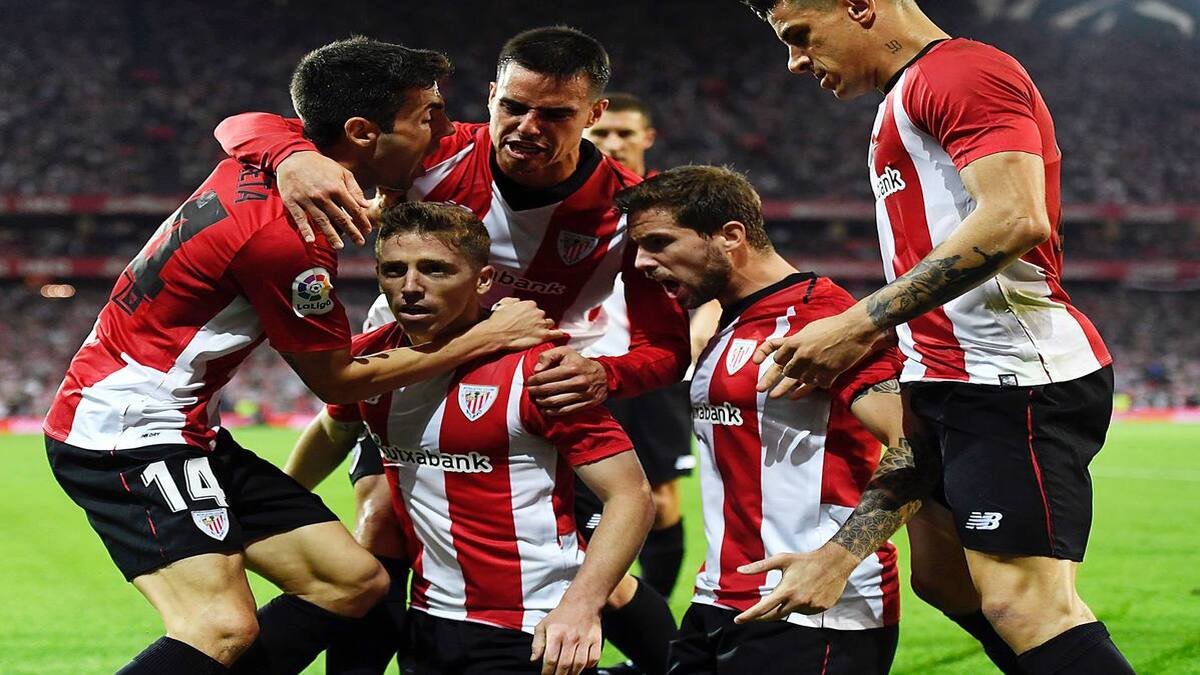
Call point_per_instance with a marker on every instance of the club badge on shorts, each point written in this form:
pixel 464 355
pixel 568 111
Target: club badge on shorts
pixel 214 522
pixel 573 247
pixel 739 353
pixel 312 292
pixel 475 400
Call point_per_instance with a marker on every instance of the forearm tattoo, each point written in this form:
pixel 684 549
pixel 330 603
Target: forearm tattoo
pixel 932 283
pixel 885 387
pixel 904 477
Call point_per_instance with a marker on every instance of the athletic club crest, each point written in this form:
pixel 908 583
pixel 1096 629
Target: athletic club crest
pixel 214 523
pixel 573 247
pixel 474 400
pixel 739 353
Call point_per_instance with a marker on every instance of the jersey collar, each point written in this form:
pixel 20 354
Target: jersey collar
pixel 732 312
pixel 924 50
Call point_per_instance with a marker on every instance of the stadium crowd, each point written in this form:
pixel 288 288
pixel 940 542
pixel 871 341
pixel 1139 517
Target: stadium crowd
pixel 1155 369
pixel 127 94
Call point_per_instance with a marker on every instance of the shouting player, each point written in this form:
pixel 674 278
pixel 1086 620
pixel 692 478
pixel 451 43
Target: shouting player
pixel 133 434
pixel 776 475
pixel 1013 381
pixel 545 195
pixel 480 477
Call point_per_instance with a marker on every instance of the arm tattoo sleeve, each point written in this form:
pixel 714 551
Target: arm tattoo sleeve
pixel 904 477
pixel 932 283
pixel 886 387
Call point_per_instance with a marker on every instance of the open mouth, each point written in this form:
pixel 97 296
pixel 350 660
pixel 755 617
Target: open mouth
pixel 671 286
pixel 523 150
pixel 413 311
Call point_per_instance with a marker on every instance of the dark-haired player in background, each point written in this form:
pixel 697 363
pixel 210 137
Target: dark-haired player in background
pixel 1014 383
pixel 776 475
pixel 480 478
pixel 134 436
pixel 545 195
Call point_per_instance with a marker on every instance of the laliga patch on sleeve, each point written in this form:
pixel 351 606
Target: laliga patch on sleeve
pixel 312 292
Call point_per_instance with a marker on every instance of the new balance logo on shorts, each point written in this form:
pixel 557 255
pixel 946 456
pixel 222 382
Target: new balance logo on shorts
pixel 984 520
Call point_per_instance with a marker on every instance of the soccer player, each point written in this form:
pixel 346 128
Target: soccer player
pixel 658 422
pixel 480 477
pixel 133 434
pixel 545 195
pixel 1013 381
pixel 776 475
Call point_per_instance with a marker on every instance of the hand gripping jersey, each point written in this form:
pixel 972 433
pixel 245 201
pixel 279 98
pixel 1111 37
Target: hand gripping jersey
pixel 957 102
pixel 779 476
pixel 482 485
pixel 562 247
pixel 221 274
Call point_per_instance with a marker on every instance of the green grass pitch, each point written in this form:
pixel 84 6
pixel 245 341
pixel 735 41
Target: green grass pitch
pixel 67 610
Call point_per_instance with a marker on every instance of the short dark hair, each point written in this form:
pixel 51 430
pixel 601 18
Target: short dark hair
pixel 701 198
pixel 453 225
pixel 619 101
pixel 763 8
pixel 359 77
pixel 560 52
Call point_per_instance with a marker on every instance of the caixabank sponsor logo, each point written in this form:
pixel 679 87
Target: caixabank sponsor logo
pixel 888 183
pixel 725 414
pixel 312 292
pixel 472 462
pixel 507 278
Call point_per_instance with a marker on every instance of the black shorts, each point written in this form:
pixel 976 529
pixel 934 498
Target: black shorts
pixel 1015 460
pixel 660 425
pixel 449 647
pixel 365 459
pixel 155 505
pixel 711 643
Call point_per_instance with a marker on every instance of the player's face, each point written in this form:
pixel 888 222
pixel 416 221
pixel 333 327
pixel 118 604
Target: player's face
pixel 537 123
pixel 624 136
pixel 417 128
pixel 430 287
pixel 826 43
pixel 691 268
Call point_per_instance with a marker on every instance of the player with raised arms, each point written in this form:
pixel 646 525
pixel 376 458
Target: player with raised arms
pixel 1012 381
pixel 133 434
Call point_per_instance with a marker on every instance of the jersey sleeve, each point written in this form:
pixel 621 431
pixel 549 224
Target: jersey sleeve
pixel 262 140
pixel 583 437
pixel 290 284
pixel 975 103
pixel 659 349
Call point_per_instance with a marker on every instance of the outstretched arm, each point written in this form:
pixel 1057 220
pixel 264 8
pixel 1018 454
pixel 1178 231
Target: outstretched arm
pixel 813 582
pixel 1009 220
pixel 321 447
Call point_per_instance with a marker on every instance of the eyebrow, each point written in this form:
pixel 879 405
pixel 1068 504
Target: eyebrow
pixel 553 110
pixel 794 33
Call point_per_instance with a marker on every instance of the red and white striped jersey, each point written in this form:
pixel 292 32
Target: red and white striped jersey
pixel 221 274
pixel 562 247
pixel 780 476
pixel 482 484
pixel 959 101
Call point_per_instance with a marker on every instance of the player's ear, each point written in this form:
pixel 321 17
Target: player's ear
pixel 487 274
pixel 734 234
pixel 597 110
pixel 651 136
pixel 361 132
pixel 491 93
pixel 861 12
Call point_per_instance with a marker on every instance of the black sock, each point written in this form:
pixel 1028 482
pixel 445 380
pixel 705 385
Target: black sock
pixel 1087 649
pixel 291 633
pixel 642 629
pixel 993 645
pixel 661 556
pixel 168 656
pixel 372 641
